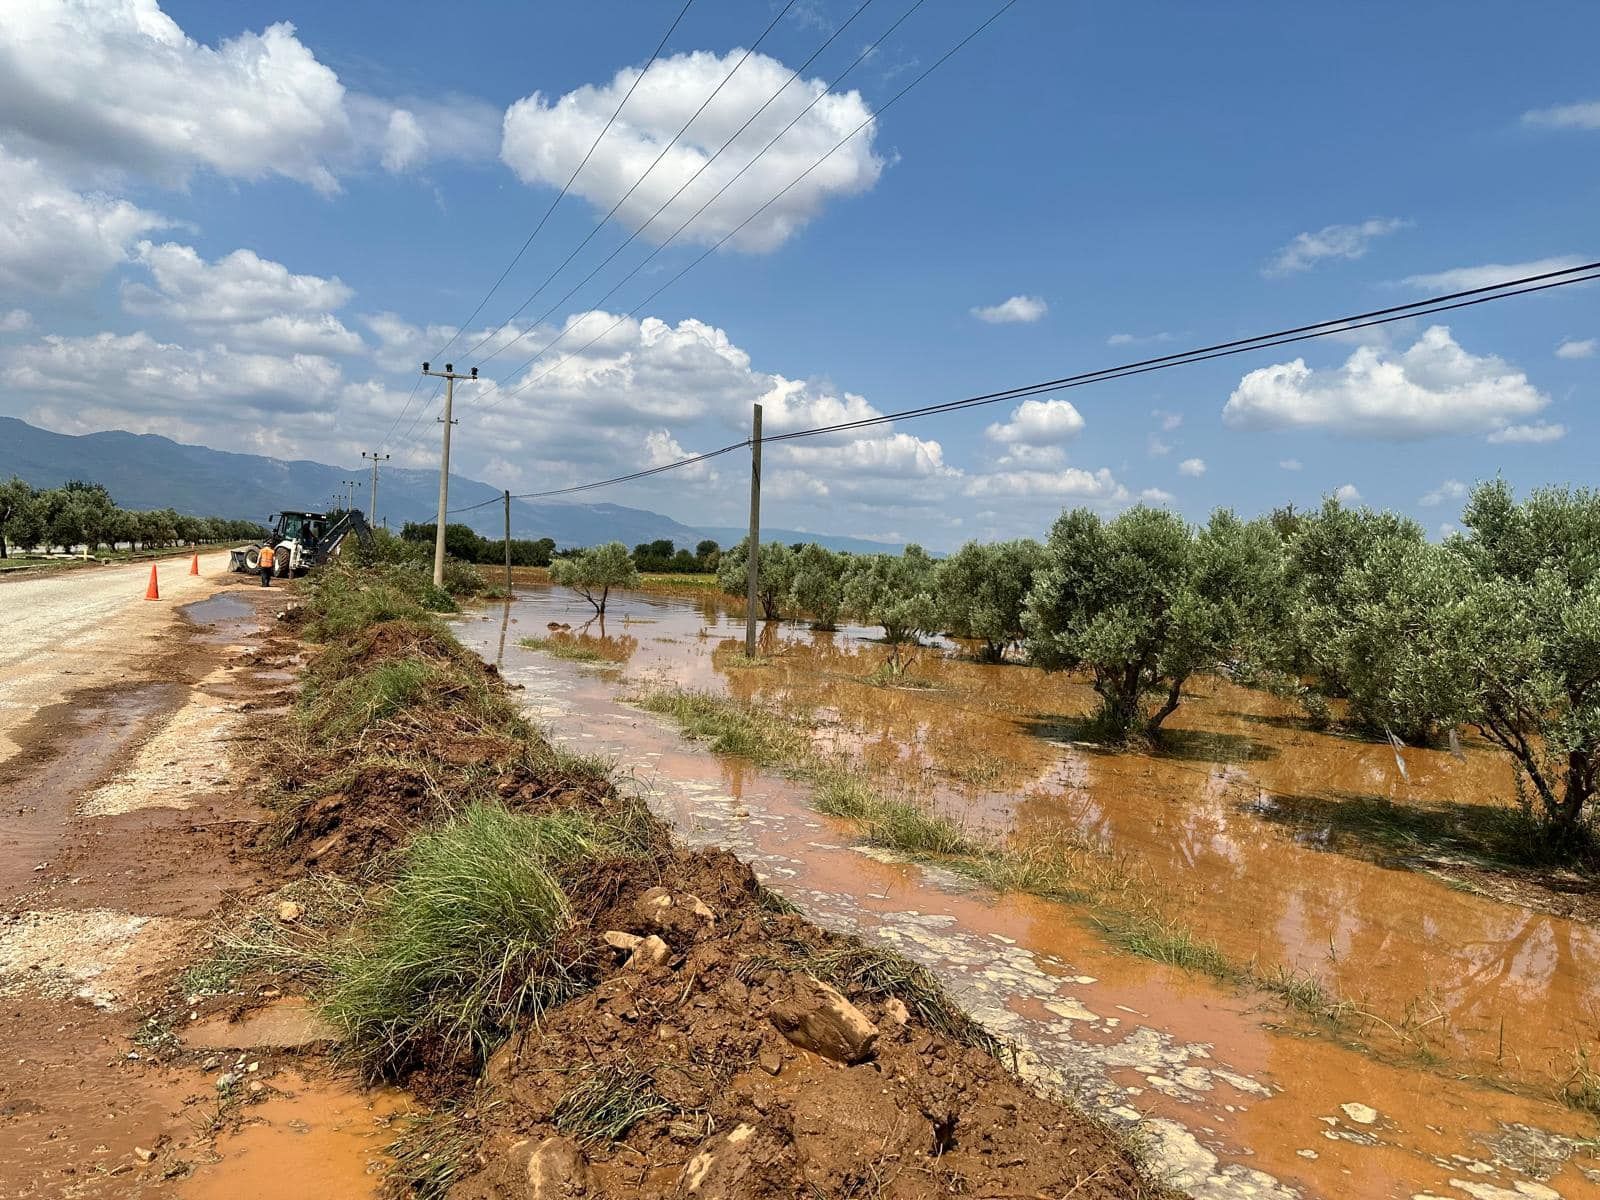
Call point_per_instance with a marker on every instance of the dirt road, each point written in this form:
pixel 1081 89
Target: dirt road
pixel 127 814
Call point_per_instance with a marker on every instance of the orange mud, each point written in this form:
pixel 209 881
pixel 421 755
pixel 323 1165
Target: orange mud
pixel 1234 1099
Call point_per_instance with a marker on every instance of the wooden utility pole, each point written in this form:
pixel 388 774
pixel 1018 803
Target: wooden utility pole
pixel 449 376
pixel 508 543
pixel 372 498
pixel 753 564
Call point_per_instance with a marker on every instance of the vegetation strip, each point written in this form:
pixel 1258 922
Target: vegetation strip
pixel 457 876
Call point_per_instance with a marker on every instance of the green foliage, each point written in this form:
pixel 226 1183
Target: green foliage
pixel 982 590
pixel 895 591
pixel 817 585
pixel 1143 601
pixel 594 572
pixel 346 598
pixel 774 575
pixel 459 944
pixel 80 513
pixel 465 543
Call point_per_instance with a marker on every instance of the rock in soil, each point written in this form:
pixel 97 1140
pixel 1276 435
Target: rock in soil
pixel 817 1018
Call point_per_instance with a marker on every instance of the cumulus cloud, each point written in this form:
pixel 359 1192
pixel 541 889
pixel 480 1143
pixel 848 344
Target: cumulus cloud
pixel 1038 422
pixel 1450 489
pixel 1435 387
pixel 1158 445
pixel 1018 310
pixel 1346 493
pixel 1306 250
pixel 1290 464
pixel 17 320
pixel 56 240
pixel 1585 115
pixel 1137 339
pixel 1069 483
pixel 545 139
pixel 1463 279
pixel 1192 467
pixel 1168 420
pixel 1532 434
pixel 255 302
pixel 1155 496
pixel 1577 348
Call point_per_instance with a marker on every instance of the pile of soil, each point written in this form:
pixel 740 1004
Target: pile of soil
pixel 343 804
pixel 733 1108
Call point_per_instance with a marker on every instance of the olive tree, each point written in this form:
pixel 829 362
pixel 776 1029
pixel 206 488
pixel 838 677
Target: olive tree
pixel 1143 602
pixel 817 585
pixel 982 590
pixel 17 500
pixel 592 573
pixel 774 575
pixel 896 592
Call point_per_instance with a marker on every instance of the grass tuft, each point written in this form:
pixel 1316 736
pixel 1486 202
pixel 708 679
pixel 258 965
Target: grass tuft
pixel 434 1152
pixel 607 1100
pixel 567 648
pixel 459 943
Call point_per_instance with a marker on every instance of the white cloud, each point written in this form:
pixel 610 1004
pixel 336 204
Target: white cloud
pixel 1158 446
pixel 252 301
pixel 1169 420
pixel 1069 483
pixel 546 138
pixel 1137 339
pixel 18 320
pixel 1535 433
pixel 1450 489
pixel 1306 250
pixel 56 240
pixel 1290 464
pixel 1192 467
pixel 1346 493
pixel 404 143
pixel 1585 115
pixel 1435 387
pixel 1155 495
pixel 1464 279
pixel 1577 348
pixel 1018 310
pixel 1039 422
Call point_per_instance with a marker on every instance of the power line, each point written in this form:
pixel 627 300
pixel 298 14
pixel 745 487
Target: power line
pixel 1503 290
pixel 501 395
pixel 654 54
pixel 793 75
pixel 665 150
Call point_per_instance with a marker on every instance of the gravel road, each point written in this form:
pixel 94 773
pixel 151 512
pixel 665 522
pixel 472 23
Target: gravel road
pixel 86 627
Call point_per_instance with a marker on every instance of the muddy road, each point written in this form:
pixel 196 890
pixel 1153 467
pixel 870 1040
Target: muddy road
pixel 127 809
pixel 1469 1000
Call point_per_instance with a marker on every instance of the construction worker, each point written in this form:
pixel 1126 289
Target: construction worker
pixel 266 566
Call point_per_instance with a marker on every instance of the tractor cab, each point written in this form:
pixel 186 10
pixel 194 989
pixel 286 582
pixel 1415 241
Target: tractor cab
pixel 302 540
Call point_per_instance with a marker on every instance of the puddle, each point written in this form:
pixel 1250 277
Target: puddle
pixel 222 617
pixel 317 1138
pixel 1231 1106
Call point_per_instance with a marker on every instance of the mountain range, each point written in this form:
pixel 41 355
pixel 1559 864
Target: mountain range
pixel 144 470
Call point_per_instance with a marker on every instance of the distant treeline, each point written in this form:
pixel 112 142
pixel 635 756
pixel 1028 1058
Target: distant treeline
pixel 465 543
pixel 84 514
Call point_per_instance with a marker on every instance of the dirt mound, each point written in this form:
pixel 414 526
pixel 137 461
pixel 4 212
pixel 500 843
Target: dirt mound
pixel 674 1080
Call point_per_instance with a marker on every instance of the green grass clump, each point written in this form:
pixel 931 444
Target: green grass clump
pixel 434 1152
pixel 345 599
pixel 566 648
pixel 728 727
pixel 1170 943
pixel 607 1100
pixel 458 944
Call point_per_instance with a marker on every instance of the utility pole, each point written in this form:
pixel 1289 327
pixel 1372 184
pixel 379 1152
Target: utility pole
pixel 753 563
pixel 372 500
pixel 449 376
pixel 508 544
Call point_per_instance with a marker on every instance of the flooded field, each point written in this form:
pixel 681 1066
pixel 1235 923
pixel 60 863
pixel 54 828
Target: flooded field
pixel 1473 1010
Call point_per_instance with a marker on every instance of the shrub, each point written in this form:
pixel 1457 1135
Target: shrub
pixel 894 591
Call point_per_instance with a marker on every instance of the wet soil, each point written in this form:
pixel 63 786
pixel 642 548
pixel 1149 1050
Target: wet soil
pixel 127 815
pixel 1238 1097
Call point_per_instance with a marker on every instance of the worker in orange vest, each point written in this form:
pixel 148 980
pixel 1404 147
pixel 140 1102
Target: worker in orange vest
pixel 266 566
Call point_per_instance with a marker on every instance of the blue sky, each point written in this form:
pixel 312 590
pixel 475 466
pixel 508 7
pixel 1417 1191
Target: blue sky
pixel 227 230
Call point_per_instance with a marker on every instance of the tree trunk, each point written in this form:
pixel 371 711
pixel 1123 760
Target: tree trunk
pixel 1174 694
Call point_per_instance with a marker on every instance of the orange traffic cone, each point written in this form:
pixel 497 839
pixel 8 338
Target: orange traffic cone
pixel 152 592
pixel 194 564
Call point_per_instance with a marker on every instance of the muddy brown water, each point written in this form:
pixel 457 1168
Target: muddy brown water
pixel 1234 1097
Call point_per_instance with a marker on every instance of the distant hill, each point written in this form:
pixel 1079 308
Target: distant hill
pixel 729 535
pixel 148 471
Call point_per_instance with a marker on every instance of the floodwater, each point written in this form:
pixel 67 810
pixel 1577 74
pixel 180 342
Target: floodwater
pixel 1235 1097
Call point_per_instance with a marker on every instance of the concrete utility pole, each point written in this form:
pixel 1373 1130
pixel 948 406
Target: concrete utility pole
pixel 753 564
pixel 449 376
pixel 508 544
pixel 372 499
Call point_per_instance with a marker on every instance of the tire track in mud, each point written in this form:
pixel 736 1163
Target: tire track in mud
pixel 1214 1093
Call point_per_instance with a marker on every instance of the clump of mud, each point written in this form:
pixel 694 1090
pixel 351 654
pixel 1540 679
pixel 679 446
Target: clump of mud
pixel 675 1078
